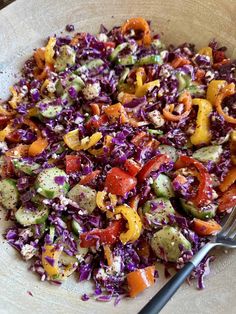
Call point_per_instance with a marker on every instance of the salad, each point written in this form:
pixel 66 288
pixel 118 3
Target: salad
pixel 118 152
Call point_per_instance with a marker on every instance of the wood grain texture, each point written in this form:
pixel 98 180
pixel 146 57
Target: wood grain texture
pixel 23 26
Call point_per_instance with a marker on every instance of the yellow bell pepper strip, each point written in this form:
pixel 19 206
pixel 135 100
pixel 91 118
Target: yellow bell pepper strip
pixel 72 140
pixel 101 200
pixel 50 262
pixel 7 130
pixel 44 85
pixel 233 147
pixel 228 90
pixel 140 77
pixel 15 98
pixel 202 134
pixel 206 51
pixel 37 147
pixel 186 99
pixel 138 24
pixel 100 151
pixel 49 51
pixel 213 90
pixel 134 223
pixel 142 90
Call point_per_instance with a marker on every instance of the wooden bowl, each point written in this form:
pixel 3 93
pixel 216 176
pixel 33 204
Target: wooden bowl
pixel 24 24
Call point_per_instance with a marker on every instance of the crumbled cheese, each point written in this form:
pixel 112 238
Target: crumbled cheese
pixel 55 156
pixel 28 251
pixel 58 128
pixel 78 120
pixel 39 190
pixel 91 91
pixel 102 37
pixel 3 147
pixel 101 274
pixel 51 87
pixel 156 118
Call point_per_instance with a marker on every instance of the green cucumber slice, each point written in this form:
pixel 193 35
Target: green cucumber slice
pixel 66 58
pixel 166 244
pixel 8 193
pixel 162 186
pixel 169 151
pixel 47 186
pixel 128 60
pixel 208 153
pixel 28 217
pixel 151 59
pixel 157 211
pixel 117 50
pixel 25 167
pixel 84 196
pixel 205 212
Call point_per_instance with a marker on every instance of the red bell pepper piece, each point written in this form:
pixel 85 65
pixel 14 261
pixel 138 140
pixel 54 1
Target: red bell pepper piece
pixel 205 191
pixel 109 44
pixel 228 200
pixel 72 163
pixel 105 236
pixel 89 177
pixel 119 182
pixel 132 167
pixel 152 165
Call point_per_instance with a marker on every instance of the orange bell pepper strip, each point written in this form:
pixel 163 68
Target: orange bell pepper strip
pixel 179 62
pixel 206 228
pixel 108 254
pixel 138 24
pixel 16 98
pixel 38 146
pixel 227 200
pixel 227 91
pixel 213 89
pixel 89 177
pixel 6 131
pixel 184 98
pixel 229 180
pixel 18 151
pixel 95 109
pixel 39 57
pixel 49 51
pixel 126 97
pixel 140 279
pixel 114 111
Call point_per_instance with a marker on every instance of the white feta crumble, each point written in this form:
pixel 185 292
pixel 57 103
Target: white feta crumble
pixel 92 91
pixel 101 274
pixel 58 128
pixel 156 118
pixel 51 87
pixel 3 147
pixel 28 251
pixel 102 37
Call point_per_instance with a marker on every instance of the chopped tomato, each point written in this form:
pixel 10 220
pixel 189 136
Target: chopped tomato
pixel 218 56
pixel 205 191
pixel 132 167
pixel 13 137
pixel 96 123
pixel 119 182
pixel 227 200
pixel 89 177
pixel 206 228
pixel 109 44
pixel 152 165
pixel 140 279
pixel 72 163
pixel 4 120
pixel 104 236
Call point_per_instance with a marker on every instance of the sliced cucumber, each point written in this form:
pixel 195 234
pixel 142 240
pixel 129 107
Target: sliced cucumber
pixel 28 217
pixel 117 50
pixel 124 75
pixel 84 196
pixel 25 167
pixel 169 151
pixel 51 111
pixel 151 59
pixel 76 227
pixel 96 63
pixel 162 186
pixel 157 211
pixel 8 193
pixel 46 183
pixel 205 212
pixel 128 60
pixel 166 244
pixel 77 83
pixel 208 153
pixel 66 58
